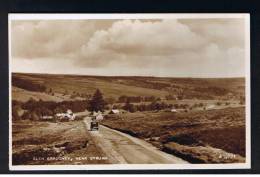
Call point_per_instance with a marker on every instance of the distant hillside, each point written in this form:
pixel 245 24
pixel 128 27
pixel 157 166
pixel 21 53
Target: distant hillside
pixel 28 84
pixel 69 85
pixel 24 95
pixel 116 86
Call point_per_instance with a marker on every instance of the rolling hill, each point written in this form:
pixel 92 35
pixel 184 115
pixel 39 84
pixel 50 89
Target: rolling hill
pixel 62 87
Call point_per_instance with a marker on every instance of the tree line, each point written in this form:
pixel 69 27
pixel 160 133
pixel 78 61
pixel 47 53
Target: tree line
pixel 35 109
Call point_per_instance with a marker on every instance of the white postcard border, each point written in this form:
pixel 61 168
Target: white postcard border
pixel 246 16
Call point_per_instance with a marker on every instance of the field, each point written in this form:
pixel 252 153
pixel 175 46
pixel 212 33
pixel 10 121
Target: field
pixel 67 85
pixel 221 128
pixel 87 85
pixel 194 132
pixel 34 142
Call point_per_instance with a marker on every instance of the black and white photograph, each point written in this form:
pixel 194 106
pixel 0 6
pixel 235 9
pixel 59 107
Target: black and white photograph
pixel 129 91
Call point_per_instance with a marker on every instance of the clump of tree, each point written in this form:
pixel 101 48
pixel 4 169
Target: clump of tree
pixel 133 99
pixel 35 109
pixel 242 100
pixel 181 106
pixel 97 103
pixel 218 103
pixel 227 103
pixel 129 107
pixel 170 97
pixel 31 116
pixel 153 106
pixel 180 97
pixel 28 84
pixel 16 107
pixel 197 105
pixel 110 100
pixel 149 98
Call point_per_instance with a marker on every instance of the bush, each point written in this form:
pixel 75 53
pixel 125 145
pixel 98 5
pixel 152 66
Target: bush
pixel 15 114
pixel 132 99
pixel 201 104
pixel 31 116
pixel 129 107
pixel 218 103
pixel 50 108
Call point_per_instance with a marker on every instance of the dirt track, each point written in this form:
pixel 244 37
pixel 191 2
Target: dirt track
pixel 122 148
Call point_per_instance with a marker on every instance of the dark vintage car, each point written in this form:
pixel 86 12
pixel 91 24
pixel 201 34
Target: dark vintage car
pixel 93 125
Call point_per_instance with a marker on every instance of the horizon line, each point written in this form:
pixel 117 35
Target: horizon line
pixel 128 75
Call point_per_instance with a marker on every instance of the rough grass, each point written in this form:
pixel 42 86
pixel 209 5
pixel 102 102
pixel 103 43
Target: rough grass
pixel 88 85
pixel 223 128
pixel 134 86
pixel 19 94
pixel 202 154
pixel 231 139
pixel 35 142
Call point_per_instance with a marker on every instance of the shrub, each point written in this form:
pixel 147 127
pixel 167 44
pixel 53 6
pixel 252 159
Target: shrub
pixel 15 114
pixel 218 103
pixel 129 107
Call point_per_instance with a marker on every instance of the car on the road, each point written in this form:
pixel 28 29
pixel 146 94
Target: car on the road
pixel 93 125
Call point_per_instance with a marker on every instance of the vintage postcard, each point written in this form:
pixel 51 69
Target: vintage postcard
pixel 129 91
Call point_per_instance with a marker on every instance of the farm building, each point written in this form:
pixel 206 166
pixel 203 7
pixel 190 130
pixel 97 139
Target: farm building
pixel 210 107
pixel 114 111
pixel 173 110
pixel 47 117
pixel 69 115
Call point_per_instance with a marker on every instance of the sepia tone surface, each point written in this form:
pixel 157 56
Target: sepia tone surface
pixel 170 47
pixel 168 91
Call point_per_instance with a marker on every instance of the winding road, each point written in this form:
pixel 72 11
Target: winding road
pixel 122 148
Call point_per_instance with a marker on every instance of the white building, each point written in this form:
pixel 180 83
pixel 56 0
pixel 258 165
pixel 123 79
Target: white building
pixel 173 110
pixel 114 111
pixel 68 115
pixel 210 107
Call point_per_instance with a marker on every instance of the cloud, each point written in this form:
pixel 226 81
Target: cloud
pixel 130 39
pixel 168 47
pixel 224 32
pixel 164 43
pixel 51 38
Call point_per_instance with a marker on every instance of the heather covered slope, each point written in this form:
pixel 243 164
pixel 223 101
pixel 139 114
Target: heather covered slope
pixel 222 129
pixel 111 86
pixel 42 143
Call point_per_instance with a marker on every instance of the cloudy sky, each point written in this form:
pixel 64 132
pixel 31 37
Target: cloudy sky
pixel 167 47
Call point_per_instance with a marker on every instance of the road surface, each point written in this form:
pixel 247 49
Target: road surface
pixel 122 148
